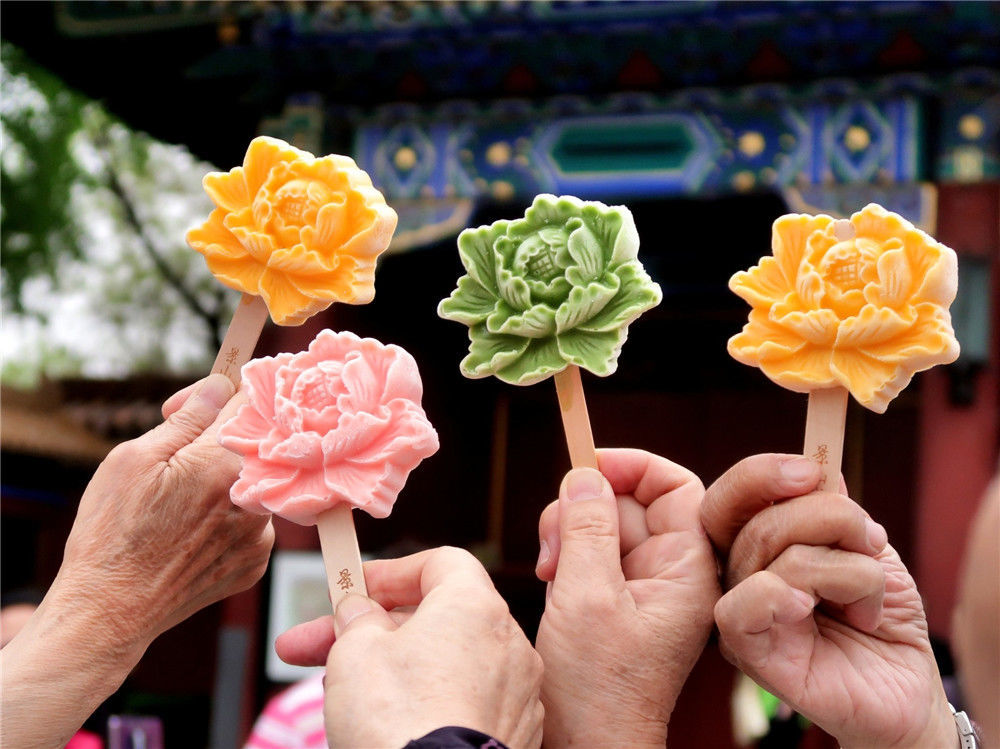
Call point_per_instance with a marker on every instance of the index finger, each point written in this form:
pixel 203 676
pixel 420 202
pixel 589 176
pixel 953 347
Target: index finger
pixel 408 580
pixel 750 486
pixel 647 478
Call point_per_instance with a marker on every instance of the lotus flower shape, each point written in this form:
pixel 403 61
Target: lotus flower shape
pixel 340 422
pixel 300 232
pixel 557 287
pixel 862 305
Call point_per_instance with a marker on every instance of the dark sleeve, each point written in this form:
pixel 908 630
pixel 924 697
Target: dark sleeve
pixel 454 737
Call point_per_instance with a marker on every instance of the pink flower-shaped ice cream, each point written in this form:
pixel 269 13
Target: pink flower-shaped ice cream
pixel 341 422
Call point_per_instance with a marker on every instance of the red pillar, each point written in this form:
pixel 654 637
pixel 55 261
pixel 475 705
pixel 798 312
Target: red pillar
pixel 957 444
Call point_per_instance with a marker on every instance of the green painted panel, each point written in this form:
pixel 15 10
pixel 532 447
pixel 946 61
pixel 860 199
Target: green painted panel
pixel 629 147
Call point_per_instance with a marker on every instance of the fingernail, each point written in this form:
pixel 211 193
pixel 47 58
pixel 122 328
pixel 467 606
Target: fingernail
pixel 216 390
pixel 798 469
pixel 877 537
pixel 543 553
pixel 583 484
pixel 350 608
pixel 803 598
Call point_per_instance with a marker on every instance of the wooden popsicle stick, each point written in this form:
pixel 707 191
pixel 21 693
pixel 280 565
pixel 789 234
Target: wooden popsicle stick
pixel 824 443
pixel 241 338
pixel 576 420
pixel 341 555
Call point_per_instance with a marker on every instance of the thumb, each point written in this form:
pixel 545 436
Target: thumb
pixel 188 422
pixel 590 550
pixel 357 612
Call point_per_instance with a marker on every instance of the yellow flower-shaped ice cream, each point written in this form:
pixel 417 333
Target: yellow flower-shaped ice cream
pixel 301 232
pixel 861 304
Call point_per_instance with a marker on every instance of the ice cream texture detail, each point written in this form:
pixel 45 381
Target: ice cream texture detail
pixel 557 287
pixel 338 423
pixel 861 304
pixel 301 232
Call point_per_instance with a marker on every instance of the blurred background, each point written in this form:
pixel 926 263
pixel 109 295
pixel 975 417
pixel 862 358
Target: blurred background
pixel 708 119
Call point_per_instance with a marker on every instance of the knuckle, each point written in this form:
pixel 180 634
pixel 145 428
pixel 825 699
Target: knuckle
pixel 123 456
pixel 591 525
pixel 799 556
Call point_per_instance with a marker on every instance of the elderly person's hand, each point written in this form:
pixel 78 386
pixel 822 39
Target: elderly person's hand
pixel 434 646
pixel 820 610
pixel 155 539
pixel 629 603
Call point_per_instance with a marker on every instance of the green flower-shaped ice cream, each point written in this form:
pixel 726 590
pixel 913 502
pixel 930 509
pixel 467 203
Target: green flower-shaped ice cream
pixel 557 287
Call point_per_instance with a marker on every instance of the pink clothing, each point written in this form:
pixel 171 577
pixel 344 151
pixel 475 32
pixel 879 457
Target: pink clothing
pixel 85 740
pixel 293 719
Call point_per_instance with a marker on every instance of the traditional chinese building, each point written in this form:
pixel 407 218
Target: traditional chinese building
pixel 709 120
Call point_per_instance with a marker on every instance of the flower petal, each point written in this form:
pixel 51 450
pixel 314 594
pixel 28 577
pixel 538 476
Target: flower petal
pixel 871 326
pixel 935 274
pixel 298 259
pixel 402 377
pixel 241 274
pixel 340 285
pixel 301 449
pixel 488 352
pixel 584 302
pixel 227 190
pixel 242 433
pixel 762 285
pixel 470 303
pixel 806 369
pixel 213 237
pixel 258 382
pixel 596 352
pixel 513 289
pixel 552 293
pixel 636 294
pixel 873 383
pixel 817 326
pixel 587 253
pixel 927 342
pixel 810 288
pixel 475 248
pixel 762 340
pixel 258 244
pixel 354 432
pixel 408 438
pixel 626 244
pixel 540 359
pixel 263 154
pixel 895 279
pixel 536 322
pixel 261 481
pixel 287 305
pixel 789 237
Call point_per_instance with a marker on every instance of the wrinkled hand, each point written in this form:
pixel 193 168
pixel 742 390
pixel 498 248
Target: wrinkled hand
pixel 820 610
pixel 156 537
pixel 629 603
pixel 434 646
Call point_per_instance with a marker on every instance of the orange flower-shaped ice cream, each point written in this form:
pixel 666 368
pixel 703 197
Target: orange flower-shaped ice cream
pixel 861 304
pixel 299 231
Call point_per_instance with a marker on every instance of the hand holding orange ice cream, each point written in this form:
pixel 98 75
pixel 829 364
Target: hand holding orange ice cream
pixel 295 231
pixel 855 305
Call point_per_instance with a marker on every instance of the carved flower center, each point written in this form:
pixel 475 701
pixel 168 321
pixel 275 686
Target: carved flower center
pixel 318 387
pixel 849 265
pixel 537 257
pixel 298 201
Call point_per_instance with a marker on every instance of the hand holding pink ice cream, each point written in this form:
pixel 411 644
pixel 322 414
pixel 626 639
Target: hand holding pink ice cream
pixel 338 423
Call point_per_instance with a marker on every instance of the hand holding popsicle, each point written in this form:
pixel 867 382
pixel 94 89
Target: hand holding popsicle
pixel 294 233
pixel 334 427
pixel 820 610
pixel 858 306
pixel 549 293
